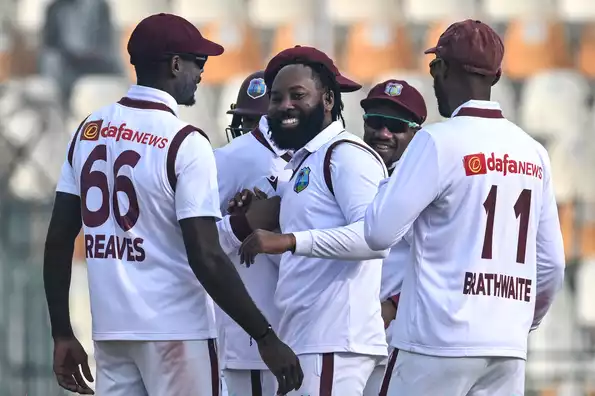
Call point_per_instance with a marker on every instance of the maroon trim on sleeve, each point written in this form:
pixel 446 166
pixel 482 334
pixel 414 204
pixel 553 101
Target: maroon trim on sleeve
pixel 74 139
pixel 172 152
pixel 326 166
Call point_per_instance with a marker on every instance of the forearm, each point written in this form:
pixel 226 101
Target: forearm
pixel 549 282
pixel 57 269
pixel 221 280
pixel 345 243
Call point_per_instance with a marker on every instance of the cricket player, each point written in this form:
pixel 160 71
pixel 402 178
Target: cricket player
pixel 329 279
pixel 393 112
pixel 143 184
pixel 477 194
pixel 250 158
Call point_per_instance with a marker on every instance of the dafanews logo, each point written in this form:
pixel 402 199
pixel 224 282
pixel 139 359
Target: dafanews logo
pixel 91 130
pixel 479 164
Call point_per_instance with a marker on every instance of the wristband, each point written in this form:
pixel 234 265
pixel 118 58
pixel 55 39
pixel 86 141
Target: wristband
pixel 263 336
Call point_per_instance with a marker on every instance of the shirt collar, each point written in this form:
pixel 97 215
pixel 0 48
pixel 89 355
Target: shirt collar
pixel 148 94
pixel 325 136
pixel 480 108
pixel 263 126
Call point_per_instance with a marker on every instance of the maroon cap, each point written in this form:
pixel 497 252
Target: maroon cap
pixel 252 98
pixel 306 54
pixel 162 34
pixel 472 44
pixel 400 93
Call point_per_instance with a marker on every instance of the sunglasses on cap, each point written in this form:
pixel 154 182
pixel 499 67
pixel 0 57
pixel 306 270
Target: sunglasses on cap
pixel 393 124
pixel 200 60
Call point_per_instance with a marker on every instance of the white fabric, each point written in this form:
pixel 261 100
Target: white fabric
pixel 350 374
pixel 144 289
pixel 239 382
pixel 393 269
pixel 453 301
pixel 421 375
pixel 375 381
pixel 243 164
pixel 147 368
pixel 330 305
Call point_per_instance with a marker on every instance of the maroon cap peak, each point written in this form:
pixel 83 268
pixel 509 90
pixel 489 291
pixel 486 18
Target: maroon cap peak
pixel 399 93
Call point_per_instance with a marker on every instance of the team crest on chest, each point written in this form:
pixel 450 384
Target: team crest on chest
pixel 302 180
pixel 393 89
pixel 257 88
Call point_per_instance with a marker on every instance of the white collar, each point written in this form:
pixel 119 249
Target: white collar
pixel 478 104
pixel 140 92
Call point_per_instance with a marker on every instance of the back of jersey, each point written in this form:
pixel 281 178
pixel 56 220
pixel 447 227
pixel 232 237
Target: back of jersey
pixel 472 290
pixel 124 163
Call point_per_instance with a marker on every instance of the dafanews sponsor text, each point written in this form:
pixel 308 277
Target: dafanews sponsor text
pixel 478 164
pixel 93 129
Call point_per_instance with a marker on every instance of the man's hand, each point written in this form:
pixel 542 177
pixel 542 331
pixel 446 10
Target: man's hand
pixel 389 312
pixel 240 203
pixel 261 241
pixel 264 213
pixel 282 362
pixel 68 356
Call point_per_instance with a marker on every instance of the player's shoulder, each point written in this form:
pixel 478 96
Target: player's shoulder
pixel 237 144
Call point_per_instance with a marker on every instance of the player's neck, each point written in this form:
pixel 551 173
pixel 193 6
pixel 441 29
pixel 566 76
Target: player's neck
pixel 156 85
pixel 482 94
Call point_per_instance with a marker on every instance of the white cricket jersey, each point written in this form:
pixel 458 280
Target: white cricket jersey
pixel 242 164
pixel 139 170
pixel 486 242
pixel 331 305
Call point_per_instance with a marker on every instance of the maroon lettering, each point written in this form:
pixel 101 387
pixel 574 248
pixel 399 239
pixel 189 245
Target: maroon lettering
pixel 110 248
pixel 99 246
pixel 138 247
pixel 497 285
pixel 121 247
pixel 89 246
pixel 129 256
pixel 145 138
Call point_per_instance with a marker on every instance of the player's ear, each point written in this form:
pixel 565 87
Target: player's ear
pixel 175 65
pixel 328 100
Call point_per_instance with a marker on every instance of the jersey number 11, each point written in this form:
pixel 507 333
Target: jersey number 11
pixel 522 209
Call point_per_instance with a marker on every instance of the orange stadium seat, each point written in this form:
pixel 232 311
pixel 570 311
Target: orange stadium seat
pixel 586 51
pixel 533 46
pixel 124 37
pixel 431 39
pixel 242 55
pixel 375 48
pixel 291 34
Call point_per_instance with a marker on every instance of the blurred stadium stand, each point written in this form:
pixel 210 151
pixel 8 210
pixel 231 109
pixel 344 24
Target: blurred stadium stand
pixel 548 88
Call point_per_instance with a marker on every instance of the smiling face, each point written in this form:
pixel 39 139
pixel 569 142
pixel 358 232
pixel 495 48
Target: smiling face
pixel 299 107
pixel 388 129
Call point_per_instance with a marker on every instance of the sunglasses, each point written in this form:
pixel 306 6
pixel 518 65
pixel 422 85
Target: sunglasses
pixel 393 124
pixel 200 60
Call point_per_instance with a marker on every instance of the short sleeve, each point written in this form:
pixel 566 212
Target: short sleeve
pixel 67 182
pixel 197 192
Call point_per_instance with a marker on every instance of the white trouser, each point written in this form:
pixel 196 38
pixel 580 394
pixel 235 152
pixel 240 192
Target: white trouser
pixel 250 382
pixel 157 368
pixel 335 374
pixel 421 375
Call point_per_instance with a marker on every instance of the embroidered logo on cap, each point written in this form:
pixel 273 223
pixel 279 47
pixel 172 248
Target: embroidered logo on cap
pixel 257 88
pixel 393 89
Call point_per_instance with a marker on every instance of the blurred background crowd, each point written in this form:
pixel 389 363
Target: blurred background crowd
pixel 62 59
